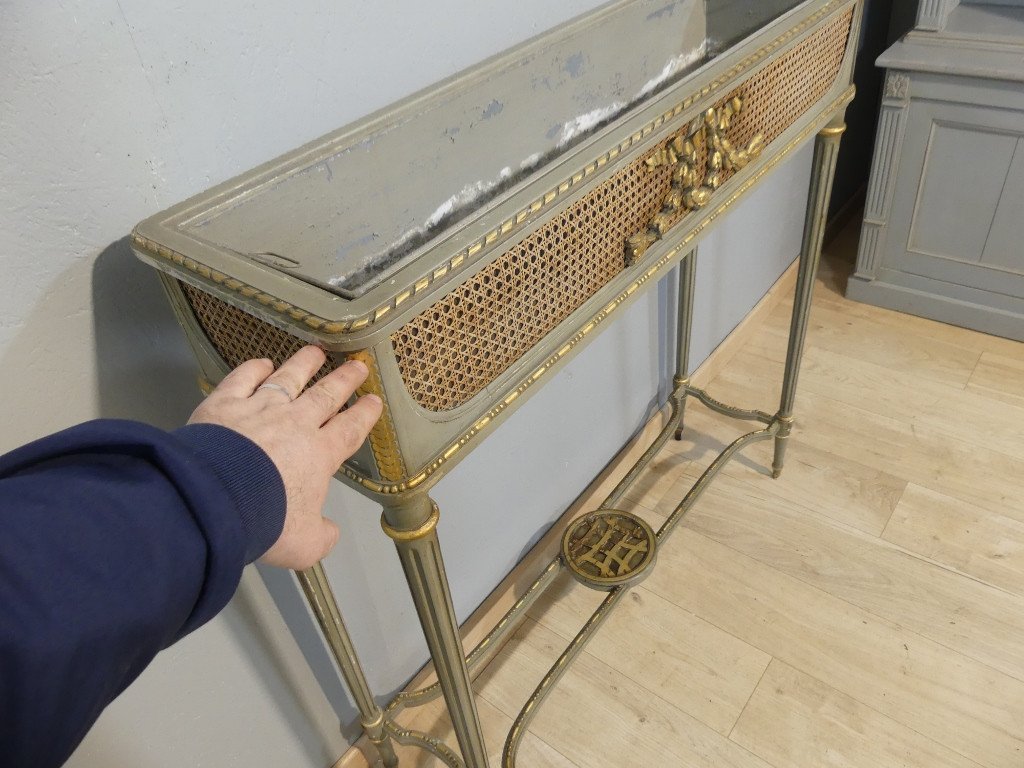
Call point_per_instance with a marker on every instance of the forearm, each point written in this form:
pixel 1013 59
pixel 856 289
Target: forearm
pixel 117 540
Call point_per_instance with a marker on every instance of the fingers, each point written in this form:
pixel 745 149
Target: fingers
pixel 293 375
pixel 325 398
pixel 243 380
pixel 347 431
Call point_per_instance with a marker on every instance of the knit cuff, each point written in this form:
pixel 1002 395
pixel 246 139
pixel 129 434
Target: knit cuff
pixel 250 478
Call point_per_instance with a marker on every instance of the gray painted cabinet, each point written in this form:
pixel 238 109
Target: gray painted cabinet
pixel 944 214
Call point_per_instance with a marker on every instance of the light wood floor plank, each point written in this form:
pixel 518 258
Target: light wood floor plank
pixel 433 719
pixel 832 330
pixel 822 482
pixel 999 377
pixel 794 720
pixel 973 540
pixel 969 416
pixel 828 293
pixel 958 702
pixel 702 670
pixel 920 454
pixel 599 716
pixel 659 478
pixel 977 620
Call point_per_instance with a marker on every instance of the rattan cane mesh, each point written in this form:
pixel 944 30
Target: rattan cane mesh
pixel 450 352
pixel 238 336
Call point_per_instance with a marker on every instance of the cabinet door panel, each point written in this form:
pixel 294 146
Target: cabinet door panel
pixel 1005 246
pixel 962 179
pixel 948 220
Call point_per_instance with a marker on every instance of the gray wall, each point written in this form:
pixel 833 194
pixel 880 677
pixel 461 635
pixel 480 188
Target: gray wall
pixel 111 110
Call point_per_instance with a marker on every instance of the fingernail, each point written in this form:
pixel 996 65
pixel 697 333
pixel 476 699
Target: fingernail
pixel 360 366
pixel 376 399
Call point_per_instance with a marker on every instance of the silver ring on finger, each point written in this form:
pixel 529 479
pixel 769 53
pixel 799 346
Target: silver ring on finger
pixel 277 387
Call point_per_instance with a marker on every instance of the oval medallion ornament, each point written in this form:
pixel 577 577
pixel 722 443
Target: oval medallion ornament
pixel 607 548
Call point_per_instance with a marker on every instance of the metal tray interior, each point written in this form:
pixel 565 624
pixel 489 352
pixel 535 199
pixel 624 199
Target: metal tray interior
pixel 369 198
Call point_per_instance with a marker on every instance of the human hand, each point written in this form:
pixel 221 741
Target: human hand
pixel 303 434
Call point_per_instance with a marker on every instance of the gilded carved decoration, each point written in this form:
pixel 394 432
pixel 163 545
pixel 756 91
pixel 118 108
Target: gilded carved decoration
pixel 607 548
pixel 689 190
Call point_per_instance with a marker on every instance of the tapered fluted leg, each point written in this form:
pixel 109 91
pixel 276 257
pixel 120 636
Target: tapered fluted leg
pixel 412 523
pixel 321 599
pixel 687 279
pixel 826 148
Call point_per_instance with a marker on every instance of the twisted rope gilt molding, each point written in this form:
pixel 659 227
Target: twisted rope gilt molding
pixel 502 231
pixel 538 373
pixel 237 286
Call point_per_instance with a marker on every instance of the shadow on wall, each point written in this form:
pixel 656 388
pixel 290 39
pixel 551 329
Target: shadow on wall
pixel 144 368
pixel 288 599
pixel 291 679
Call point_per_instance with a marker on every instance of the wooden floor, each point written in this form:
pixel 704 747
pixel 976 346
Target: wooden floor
pixel 865 609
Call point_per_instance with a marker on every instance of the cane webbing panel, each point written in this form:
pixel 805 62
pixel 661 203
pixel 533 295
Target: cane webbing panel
pixel 454 349
pixel 238 336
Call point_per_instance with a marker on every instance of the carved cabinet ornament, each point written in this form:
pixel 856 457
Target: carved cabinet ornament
pixel 897 85
pixel 689 191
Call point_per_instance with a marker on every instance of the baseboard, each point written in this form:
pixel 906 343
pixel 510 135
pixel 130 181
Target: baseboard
pixel 944 309
pixel 520 577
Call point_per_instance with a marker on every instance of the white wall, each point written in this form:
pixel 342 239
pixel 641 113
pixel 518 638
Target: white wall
pixel 114 109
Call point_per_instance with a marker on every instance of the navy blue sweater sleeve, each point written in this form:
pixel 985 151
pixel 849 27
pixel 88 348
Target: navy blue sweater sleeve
pixel 116 539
